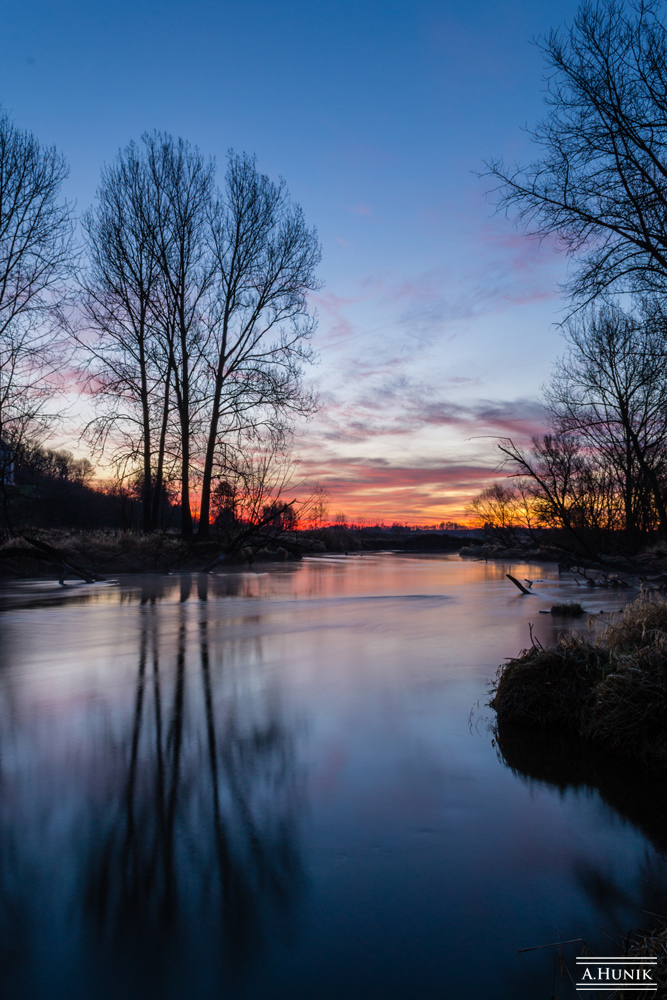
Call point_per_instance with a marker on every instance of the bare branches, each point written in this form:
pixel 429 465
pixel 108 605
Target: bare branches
pixel 610 391
pixel 35 257
pixel 35 229
pixel 265 260
pixel 120 292
pixel 600 184
pixel 198 304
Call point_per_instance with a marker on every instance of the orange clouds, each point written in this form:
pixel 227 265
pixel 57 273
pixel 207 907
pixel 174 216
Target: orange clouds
pixel 378 491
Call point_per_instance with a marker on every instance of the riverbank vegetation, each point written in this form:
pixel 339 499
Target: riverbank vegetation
pixel 611 689
pixel 90 554
pixel 596 484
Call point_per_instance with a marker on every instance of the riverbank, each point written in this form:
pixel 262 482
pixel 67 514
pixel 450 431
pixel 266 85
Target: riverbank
pixel 611 690
pixel 94 554
pixel 646 569
pixel 611 693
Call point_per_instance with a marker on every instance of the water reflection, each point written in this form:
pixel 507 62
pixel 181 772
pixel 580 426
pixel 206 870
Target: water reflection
pixel 258 785
pixel 205 807
pixel 633 795
pixel 181 816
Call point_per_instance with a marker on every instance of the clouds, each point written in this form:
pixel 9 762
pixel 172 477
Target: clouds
pixel 398 453
pixel 421 373
pixel 396 406
pixel 379 490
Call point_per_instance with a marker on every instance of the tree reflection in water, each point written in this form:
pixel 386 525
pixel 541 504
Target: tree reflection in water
pixel 186 827
pixel 633 793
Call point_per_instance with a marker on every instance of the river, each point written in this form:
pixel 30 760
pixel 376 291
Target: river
pixel 286 784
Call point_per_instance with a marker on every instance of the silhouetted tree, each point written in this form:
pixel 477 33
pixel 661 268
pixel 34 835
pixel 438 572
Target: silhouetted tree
pixel 121 289
pixel 197 305
pixel 600 183
pixel 265 259
pixel 611 391
pixel 182 182
pixel 35 257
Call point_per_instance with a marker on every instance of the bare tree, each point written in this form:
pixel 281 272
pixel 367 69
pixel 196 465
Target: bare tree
pixel 261 496
pixel 562 483
pixel 265 259
pixel 35 257
pixel 198 305
pixel 506 511
pixel 600 184
pixel 183 188
pixel 146 297
pixel 121 289
pixel 610 391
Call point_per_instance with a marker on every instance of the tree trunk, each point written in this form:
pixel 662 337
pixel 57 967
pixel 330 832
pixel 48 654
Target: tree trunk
pixel 159 474
pixel 146 492
pixel 186 512
pixel 205 511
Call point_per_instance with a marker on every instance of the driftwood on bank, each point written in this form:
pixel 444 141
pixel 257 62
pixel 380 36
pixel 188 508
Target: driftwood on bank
pixel 50 554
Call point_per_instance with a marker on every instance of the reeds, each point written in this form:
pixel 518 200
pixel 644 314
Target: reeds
pixel 611 690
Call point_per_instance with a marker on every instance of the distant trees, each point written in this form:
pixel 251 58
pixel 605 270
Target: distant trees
pixel 505 509
pixel 197 316
pixel 53 488
pixel 601 474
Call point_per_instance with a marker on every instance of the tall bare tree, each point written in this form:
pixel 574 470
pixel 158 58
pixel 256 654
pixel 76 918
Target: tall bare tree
pixel 121 290
pixel 265 259
pixel 146 297
pixel 600 183
pixel 198 303
pixel 610 391
pixel 35 258
pixel 182 182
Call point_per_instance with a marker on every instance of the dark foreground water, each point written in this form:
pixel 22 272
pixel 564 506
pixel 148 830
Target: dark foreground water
pixel 285 785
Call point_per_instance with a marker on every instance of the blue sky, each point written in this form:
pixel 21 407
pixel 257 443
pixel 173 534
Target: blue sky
pixel 437 319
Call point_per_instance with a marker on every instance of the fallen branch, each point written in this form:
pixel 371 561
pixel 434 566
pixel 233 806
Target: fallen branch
pixel 516 583
pixel 56 557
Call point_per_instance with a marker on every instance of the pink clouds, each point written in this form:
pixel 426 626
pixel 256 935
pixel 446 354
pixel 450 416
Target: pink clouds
pixel 388 421
pixel 377 490
pixel 397 406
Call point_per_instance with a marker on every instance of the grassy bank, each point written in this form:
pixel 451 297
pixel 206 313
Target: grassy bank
pixel 102 552
pixel 610 690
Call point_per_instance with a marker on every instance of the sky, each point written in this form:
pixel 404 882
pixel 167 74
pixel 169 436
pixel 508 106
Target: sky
pixel 438 320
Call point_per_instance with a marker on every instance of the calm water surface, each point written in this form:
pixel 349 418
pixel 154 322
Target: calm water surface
pixel 285 785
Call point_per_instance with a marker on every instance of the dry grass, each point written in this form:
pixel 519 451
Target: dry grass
pixel 104 551
pixel 655 944
pixel 611 691
pixel 550 687
pixel 642 623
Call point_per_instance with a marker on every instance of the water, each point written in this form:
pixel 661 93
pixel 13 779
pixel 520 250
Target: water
pixel 285 785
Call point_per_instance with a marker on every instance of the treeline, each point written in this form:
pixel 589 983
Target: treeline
pixel 598 478
pixel 181 312
pixel 53 489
